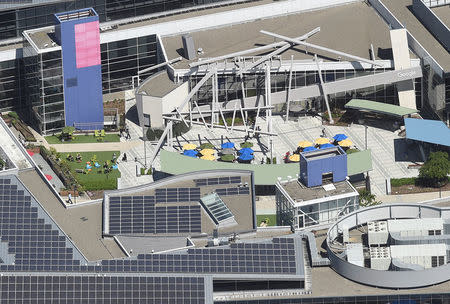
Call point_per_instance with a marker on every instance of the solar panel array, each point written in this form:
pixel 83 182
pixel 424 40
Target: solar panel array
pixel 174 195
pixel 101 289
pixel 233 191
pixel 217 181
pixel 276 257
pixel 139 214
pixel 31 239
pixel 216 207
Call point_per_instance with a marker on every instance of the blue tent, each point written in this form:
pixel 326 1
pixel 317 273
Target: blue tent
pixel 246 151
pixel 246 156
pixel 339 137
pixel 308 149
pixel 324 146
pixel 191 153
pixel 228 145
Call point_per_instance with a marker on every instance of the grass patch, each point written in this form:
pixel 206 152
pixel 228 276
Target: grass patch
pixel 272 219
pixel 82 139
pixel 397 182
pixel 95 179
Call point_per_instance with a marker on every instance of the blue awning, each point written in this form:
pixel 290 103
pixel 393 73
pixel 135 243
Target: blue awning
pixel 429 131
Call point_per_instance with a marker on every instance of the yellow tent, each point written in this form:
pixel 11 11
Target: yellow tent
pixel 189 147
pixel 322 141
pixel 305 143
pixel 207 151
pixel 345 143
pixel 208 157
pixel 294 158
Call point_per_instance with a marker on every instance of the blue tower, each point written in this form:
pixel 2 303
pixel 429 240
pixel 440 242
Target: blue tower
pixel 79 37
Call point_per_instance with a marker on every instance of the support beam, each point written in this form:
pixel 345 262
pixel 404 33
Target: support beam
pixel 269 112
pixel 223 118
pixel 160 142
pixel 234 115
pixel 324 93
pixel 193 91
pixel 283 48
pixel 201 115
pixel 288 96
pixel 225 110
pixel 159 65
pixel 315 46
pixel 220 126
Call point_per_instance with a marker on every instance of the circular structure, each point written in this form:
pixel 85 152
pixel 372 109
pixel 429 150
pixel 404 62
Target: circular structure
pixel 399 274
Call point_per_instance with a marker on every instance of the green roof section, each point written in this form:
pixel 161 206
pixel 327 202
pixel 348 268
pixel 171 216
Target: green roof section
pixel 379 107
pixel 265 174
pixel 359 162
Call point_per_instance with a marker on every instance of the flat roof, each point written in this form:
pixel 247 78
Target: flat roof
pixel 359 162
pixel 336 33
pixel 143 244
pixel 429 131
pixel 82 224
pixel 158 85
pixel 401 10
pixel 379 107
pixel 300 193
pixel 443 12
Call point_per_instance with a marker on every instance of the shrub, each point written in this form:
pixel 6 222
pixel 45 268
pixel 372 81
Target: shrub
pixel 206 146
pixel 142 171
pixel 350 151
pixel 179 129
pixel 14 115
pixel 154 134
pixel 149 171
pixel 274 160
pixel 397 182
pixel 367 199
pixel 435 170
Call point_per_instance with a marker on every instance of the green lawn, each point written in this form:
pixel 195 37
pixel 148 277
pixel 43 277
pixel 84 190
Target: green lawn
pixel 81 139
pixel 272 219
pixel 95 179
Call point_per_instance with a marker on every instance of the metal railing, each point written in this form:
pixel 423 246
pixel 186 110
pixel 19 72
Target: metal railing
pixel 434 3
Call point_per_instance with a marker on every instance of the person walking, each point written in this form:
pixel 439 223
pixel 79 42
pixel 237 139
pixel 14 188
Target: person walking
pixel 70 198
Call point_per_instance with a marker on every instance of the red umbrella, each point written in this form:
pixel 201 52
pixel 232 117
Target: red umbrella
pixel 48 176
pixel 30 153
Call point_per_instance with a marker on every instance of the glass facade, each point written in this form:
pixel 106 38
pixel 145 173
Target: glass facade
pixel 9 84
pixel 230 86
pixel 313 214
pixel 14 21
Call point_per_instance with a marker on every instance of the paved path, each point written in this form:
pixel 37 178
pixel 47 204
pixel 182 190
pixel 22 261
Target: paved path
pixel 87 147
pixel 412 198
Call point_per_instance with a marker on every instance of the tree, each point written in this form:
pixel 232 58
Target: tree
pixel 367 199
pixel 435 170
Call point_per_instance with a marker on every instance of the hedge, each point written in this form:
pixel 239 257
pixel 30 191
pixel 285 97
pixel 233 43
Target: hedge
pixel 397 182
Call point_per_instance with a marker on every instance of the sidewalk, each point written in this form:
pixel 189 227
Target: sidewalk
pixel 87 147
pixel 412 198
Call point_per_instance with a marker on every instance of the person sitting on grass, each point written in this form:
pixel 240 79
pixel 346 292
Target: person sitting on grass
pixel 114 157
pixel 105 165
pixel 78 158
pixel 69 157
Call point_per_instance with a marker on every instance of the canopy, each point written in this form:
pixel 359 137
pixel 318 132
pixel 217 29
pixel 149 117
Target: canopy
pixel 189 147
pixel 305 143
pixel 379 107
pixel 48 177
pixel 322 141
pixel 227 145
pixel 246 156
pixel 345 143
pixel 430 131
pixel 308 149
pixel 246 151
pixel 191 153
pixel 294 157
pixel 340 137
pixel 325 146
pixel 207 151
pixel 208 157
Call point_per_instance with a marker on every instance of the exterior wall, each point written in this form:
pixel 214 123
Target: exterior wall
pixel 83 99
pixel 152 106
pixel 311 170
pixel 175 98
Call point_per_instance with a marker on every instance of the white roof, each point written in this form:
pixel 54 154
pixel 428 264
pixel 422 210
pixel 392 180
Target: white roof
pixel 418 250
pixel 355 254
pixel 415 224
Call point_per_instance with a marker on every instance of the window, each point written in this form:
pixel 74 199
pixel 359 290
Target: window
pixel 430 232
pixel 441 260
pixel 434 261
pixel 147 120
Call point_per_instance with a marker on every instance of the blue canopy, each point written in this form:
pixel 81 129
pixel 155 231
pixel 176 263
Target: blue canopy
pixel 246 151
pixel 308 149
pixel 191 153
pixel 246 156
pixel 228 145
pixel 324 146
pixel 339 137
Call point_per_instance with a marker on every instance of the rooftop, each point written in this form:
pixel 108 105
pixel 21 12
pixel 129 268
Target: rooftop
pixel 136 245
pixel 300 193
pixel 401 10
pixel 336 32
pixel 158 85
pixel 379 107
pixel 443 12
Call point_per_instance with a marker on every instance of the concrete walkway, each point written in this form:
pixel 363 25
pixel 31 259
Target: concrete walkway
pixel 412 198
pixel 87 147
